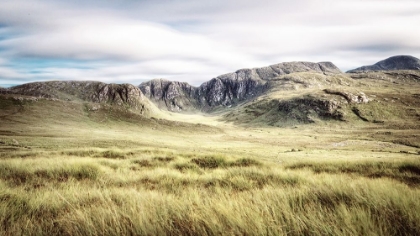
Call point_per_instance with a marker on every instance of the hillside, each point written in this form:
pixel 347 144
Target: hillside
pixel 392 100
pixel 385 97
pixel 122 95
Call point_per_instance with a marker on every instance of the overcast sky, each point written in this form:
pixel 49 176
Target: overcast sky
pixel 128 41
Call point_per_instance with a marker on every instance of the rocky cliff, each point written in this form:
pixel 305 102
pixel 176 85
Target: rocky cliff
pixel 392 63
pixel 228 89
pixel 171 95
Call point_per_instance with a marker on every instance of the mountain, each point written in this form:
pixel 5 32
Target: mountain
pixel 3 90
pixel 392 63
pixel 87 91
pixel 228 89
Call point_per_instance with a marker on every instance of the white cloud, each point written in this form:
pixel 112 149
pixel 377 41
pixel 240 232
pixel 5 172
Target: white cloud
pixel 195 40
pixel 8 73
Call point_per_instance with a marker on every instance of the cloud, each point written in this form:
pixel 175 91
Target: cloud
pixel 6 72
pixel 193 41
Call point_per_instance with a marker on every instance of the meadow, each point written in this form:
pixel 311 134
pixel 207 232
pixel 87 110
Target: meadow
pixel 65 170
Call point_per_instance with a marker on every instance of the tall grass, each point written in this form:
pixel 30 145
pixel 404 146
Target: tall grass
pixel 404 171
pixel 204 195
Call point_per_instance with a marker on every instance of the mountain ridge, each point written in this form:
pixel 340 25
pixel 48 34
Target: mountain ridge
pixel 87 91
pixel 227 89
pixel 289 92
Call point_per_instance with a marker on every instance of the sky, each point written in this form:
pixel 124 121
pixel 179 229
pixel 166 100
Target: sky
pixel 129 41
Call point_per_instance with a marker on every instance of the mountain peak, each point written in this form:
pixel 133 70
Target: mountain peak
pixel 400 62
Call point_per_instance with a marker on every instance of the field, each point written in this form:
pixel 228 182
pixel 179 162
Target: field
pixel 68 170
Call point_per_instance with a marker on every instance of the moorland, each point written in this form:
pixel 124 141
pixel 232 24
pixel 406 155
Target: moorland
pixel 310 153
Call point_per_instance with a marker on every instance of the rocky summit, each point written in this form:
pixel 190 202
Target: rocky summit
pixel 392 63
pixel 228 89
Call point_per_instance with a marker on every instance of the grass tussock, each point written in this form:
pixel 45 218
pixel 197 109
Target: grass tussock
pixel 212 162
pixel 185 166
pixel 110 153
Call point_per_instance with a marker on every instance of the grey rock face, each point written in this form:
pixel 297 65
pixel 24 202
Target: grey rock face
pixel 172 95
pixel 221 91
pixel 227 89
pixel 392 63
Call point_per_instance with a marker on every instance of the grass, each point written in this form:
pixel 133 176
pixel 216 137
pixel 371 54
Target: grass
pixel 35 173
pixel 407 171
pixel 172 195
pixel 58 188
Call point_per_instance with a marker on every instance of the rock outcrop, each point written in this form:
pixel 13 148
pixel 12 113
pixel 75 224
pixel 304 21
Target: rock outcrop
pixel 392 63
pixel 225 90
pixel 305 109
pixel 360 97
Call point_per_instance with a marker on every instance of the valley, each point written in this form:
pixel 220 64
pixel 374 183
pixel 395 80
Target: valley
pixel 291 149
